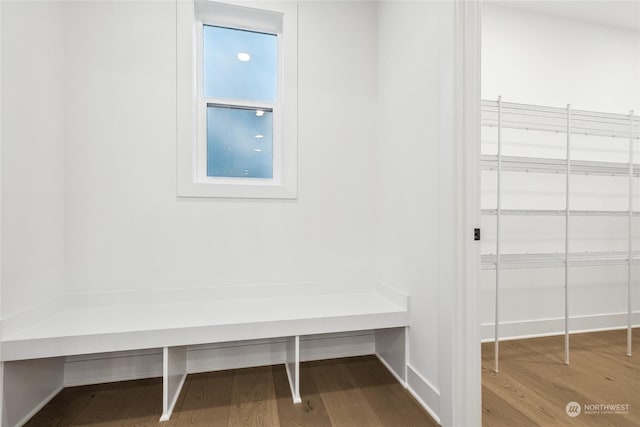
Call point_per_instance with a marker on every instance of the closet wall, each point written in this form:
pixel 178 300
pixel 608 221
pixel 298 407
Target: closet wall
pixel 408 178
pixel 541 59
pixel 32 154
pixel 545 60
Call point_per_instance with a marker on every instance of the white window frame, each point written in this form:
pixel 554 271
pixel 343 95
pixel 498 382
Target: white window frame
pixel 273 18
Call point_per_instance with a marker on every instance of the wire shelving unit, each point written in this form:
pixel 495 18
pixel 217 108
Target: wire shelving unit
pixel 568 122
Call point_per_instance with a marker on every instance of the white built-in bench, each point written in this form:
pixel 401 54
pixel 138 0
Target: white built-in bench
pixel 34 345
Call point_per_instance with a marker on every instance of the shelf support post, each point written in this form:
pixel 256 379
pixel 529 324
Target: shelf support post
pixel 630 237
pixel 566 239
pixel 498 215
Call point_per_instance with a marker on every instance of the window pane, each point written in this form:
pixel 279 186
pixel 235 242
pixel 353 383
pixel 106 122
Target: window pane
pixel 239 142
pixel 240 64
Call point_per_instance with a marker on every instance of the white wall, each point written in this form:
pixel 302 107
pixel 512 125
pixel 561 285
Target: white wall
pixel 408 179
pixel 125 227
pixel 32 126
pixel 546 60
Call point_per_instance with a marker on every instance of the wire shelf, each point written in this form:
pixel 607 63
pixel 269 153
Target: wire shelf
pixel 557 212
pixel 489 162
pixel 557 260
pixel 552 119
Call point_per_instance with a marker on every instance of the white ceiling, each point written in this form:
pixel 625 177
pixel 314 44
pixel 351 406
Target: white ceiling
pixel 615 13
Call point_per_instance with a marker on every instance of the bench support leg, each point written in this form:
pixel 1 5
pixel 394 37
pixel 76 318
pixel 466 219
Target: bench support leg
pixel 26 386
pixel 174 372
pixel 392 350
pixel 292 366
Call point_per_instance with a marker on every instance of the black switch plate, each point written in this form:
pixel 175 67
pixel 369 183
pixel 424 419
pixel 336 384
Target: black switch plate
pixel 476 234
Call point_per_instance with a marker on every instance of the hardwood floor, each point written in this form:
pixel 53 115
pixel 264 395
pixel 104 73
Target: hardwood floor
pixel 534 385
pixel 356 391
pixel 532 388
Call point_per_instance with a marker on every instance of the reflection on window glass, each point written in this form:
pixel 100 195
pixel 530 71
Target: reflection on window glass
pixel 239 142
pixel 240 64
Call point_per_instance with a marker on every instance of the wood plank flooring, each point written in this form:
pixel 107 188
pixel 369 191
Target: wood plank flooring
pixel 356 391
pixel 534 385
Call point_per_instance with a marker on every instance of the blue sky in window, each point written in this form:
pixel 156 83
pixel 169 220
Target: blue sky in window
pixel 239 143
pixel 225 76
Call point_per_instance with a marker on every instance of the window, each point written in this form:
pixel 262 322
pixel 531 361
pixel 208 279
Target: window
pixel 237 100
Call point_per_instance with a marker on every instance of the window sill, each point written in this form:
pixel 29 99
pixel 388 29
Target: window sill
pixel 237 190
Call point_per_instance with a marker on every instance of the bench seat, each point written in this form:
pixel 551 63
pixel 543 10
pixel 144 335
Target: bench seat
pixel 173 320
pixel 83 330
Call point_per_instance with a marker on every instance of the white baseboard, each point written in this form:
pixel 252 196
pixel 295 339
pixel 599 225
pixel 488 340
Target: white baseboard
pixel 131 365
pixel 419 387
pixel 555 326
pixel 424 392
